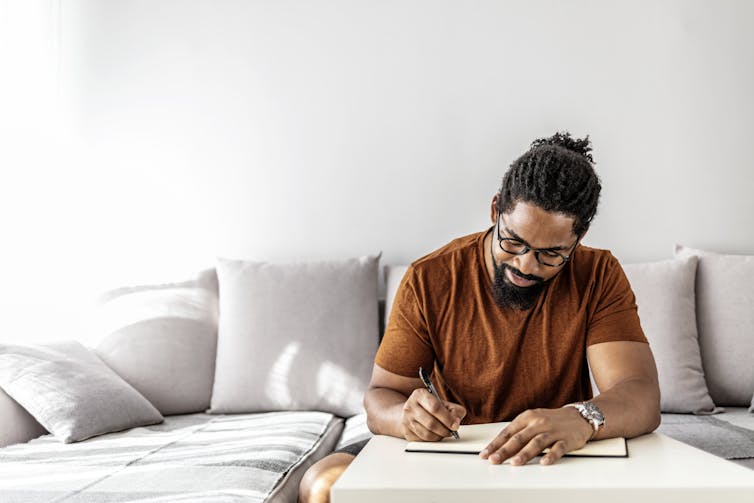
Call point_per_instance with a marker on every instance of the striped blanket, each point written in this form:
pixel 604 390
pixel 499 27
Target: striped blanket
pixel 197 457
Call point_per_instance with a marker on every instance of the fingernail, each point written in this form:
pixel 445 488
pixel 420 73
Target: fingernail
pixel 455 426
pixel 484 453
pixel 546 461
pixel 495 458
pixel 516 461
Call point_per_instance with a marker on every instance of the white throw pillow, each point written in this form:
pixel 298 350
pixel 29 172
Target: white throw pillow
pixel 725 315
pixel 298 336
pixel 71 392
pixel 162 340
pixel 665 296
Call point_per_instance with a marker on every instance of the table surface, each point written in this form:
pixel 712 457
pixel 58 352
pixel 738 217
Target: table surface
pixel 658 469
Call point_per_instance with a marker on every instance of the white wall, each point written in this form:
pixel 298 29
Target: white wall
pixel 310 129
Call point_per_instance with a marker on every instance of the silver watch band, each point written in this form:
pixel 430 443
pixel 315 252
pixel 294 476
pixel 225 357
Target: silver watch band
pixel 591 414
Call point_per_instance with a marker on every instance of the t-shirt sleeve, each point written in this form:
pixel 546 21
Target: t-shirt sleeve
pixel 614 316
pixel 406 344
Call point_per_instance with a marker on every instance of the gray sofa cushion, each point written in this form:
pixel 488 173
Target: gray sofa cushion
pixel 729 435
pixel 197 457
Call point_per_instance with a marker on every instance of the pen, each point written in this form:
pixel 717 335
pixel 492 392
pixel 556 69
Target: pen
pixel 431 387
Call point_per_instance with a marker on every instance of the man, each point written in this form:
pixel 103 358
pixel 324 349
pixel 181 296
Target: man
pixel 508 320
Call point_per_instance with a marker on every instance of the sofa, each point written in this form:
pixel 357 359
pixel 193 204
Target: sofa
pixel 227 385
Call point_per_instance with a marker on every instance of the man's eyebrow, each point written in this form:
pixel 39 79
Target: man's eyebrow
pixel 519 238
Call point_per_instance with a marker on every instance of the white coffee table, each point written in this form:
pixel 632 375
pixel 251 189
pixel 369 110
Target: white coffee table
pixel 658 469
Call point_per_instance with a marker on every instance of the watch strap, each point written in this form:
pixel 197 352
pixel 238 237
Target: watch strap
pixel 591 414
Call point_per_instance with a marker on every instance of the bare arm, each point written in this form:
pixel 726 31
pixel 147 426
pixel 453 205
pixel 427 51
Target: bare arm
pixel 626 375
pixel 401 407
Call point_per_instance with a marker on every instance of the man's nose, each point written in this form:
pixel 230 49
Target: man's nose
pixel 527 263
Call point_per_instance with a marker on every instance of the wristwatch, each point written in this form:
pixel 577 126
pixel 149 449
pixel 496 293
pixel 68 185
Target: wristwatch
pixel 591 413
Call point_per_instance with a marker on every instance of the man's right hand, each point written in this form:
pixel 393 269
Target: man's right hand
pixel 402 407
pixel 425 418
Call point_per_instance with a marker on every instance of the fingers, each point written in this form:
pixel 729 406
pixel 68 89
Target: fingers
pixel 446 413
pixel 440 410
pixel 417 431
pixel 429 422
pixel 457 411
pixel 533 431
pixel 508 442
pixel 427 418
pixel 533 448
pixel 556 452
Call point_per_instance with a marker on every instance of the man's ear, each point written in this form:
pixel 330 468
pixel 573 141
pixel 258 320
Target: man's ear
pixel 493 209
pixel 581 238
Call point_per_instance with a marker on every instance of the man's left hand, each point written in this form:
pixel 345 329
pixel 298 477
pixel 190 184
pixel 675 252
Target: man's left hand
pixel 562 430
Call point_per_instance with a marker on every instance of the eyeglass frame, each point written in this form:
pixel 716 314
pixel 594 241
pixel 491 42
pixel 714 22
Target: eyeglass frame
pixel 528 248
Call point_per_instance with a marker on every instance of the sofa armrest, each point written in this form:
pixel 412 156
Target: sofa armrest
pixel 17 425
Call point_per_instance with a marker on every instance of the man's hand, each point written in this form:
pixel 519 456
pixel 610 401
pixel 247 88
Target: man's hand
pixel 562 430
pixel 426 418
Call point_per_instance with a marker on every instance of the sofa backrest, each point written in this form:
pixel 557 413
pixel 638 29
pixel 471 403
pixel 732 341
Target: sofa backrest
pixel 129 348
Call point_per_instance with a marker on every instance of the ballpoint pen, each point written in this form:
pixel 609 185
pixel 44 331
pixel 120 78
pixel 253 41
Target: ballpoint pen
pixel 431 387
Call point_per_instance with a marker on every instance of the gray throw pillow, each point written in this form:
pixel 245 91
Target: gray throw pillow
pixel 70 391
pixel 725 315
pixel 298 336
pixel 665 296
pixel 162 340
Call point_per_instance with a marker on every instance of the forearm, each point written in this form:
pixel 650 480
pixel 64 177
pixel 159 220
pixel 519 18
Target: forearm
pixel 384 408
pixel 631 408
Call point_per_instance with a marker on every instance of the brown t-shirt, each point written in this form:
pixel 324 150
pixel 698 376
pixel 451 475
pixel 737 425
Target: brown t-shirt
pixel 498 362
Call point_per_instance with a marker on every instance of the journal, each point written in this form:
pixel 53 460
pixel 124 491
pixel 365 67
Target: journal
pixel 475 437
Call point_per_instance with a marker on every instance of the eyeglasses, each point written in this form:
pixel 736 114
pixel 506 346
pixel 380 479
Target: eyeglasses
pixel 546 257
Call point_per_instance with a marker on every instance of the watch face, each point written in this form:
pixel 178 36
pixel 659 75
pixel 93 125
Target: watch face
pixel 594 413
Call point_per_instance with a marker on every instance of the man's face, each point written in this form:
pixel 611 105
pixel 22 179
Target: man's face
pixel 519 279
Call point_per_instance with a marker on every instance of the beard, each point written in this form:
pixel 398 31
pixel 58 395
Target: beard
pixel 507 294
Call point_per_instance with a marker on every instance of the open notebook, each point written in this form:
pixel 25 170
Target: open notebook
pixel 475 437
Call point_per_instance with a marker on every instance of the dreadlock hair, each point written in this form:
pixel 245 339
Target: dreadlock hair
pixel 556 174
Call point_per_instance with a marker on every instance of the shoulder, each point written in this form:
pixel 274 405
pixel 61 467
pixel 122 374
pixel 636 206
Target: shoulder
pixel 598 274
pixel 593 261
pixel 454 256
